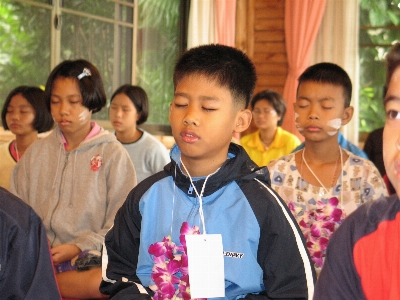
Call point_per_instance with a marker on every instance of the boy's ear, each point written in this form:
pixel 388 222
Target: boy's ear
pixel 242 120
pixel 347 115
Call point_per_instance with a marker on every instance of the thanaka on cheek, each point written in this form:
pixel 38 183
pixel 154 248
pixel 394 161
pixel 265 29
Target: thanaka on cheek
pixel 335 124
pixel 299 128
pixel 84 115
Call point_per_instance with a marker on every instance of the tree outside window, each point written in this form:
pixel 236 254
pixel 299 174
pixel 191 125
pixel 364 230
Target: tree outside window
pixel 127 46
pixel 379 30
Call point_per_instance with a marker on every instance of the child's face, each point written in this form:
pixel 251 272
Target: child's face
pixel 391 132
pixel 123 114
pixel 66 107
pixel 320 111
pixel 20 116
pixel 203 119
pixel 264 115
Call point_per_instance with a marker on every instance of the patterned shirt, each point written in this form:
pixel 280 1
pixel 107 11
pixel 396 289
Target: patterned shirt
pixel 317 212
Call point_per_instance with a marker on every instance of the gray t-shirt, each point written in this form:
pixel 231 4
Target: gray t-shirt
pixel 148 155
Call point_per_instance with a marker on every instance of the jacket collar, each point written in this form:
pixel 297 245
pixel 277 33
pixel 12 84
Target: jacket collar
pixel 238 166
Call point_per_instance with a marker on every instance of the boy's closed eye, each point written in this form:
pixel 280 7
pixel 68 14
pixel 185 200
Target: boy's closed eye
pixel 208 109
pixel 180 105
pixel 303 104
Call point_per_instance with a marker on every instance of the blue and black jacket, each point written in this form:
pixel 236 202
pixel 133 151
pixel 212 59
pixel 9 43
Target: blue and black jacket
pixel 265 253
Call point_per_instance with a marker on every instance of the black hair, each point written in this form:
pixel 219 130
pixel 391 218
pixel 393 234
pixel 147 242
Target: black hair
pixel 392 62
pixel 229 66
pixel 91 87
pixel 35 96
pixel 275 99
pixel 328 73
pixel 139 99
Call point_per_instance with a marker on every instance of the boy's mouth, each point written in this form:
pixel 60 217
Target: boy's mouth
pixel 313 128
pixel 189 137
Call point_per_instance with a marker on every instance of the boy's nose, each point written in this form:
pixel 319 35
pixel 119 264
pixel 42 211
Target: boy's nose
pixel 190 118
pixel 313 114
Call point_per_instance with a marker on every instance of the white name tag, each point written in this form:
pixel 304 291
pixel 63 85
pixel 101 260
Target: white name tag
pixel 206 265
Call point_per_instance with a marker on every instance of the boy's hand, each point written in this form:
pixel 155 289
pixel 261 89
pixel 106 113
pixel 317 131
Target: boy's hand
pixel 64 252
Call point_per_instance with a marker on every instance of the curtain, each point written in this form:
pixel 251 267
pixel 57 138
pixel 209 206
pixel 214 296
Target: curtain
pixel 302 21
pixel 337 42
pixel 212 21
pixel 225 13
pixel 201 29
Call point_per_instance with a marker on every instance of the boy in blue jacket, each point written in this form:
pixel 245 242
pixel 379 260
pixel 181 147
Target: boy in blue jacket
pixel 210 187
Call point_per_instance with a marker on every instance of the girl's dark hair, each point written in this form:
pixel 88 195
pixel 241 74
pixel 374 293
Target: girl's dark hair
pixel 275 99
pixel 35 96
pixel 138 97
pixel 91 87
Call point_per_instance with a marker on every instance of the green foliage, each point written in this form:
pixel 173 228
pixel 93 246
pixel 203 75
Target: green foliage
pixel 158 52
pixel 25 32
pixel 375 42
pixel 25 46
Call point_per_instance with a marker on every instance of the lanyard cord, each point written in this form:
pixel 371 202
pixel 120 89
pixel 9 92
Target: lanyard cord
pixel 173 204
pixel 340 174
pixel 201 194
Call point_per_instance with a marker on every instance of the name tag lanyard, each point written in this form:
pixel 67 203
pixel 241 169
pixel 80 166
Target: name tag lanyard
pixel 205 256
pixel 199 196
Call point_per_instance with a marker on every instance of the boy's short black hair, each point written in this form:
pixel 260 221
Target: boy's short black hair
pixel 138 97
pixel 392 62
pixel 275 99
pixel 91 87
pixel 229 66
pixel 35 96
pixel 328 73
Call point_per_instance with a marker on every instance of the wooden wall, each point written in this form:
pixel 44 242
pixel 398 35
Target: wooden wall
pixel 260 34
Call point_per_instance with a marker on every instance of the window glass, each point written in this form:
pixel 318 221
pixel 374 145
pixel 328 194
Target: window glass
pixel 158 50
pixel 100 31
pixel 108 46
pixel 379 30
pixel 25 46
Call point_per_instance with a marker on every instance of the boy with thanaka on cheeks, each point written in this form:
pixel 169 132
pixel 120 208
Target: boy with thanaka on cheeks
pixel 323 183
pixel 210 188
